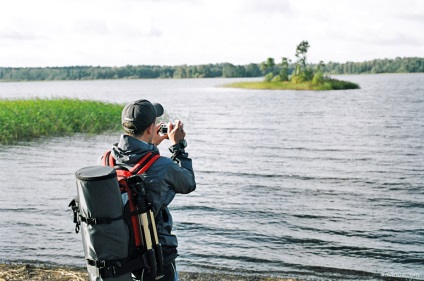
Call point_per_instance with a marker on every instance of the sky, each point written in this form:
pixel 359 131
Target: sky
pixel 48 33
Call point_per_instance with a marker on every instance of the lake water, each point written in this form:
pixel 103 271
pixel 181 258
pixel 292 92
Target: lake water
pixel 324 185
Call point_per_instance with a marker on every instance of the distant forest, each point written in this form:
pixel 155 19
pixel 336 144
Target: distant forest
pixel 226 70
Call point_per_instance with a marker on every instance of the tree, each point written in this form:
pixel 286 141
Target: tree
pixel 229 70
pixel 319 78
pixel 269 77
pixel 301 51
pixel 252 70
pixel 180 72
pixel 284 72
pixel 268 66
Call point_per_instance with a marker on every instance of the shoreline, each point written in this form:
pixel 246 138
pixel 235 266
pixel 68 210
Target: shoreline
pixel 21 272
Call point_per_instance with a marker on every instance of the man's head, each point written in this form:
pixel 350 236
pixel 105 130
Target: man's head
pixel 137 116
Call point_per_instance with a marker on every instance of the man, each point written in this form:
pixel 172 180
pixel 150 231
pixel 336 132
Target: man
pixel 165 178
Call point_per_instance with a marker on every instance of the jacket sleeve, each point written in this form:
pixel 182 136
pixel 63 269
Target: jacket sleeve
pixel 180 175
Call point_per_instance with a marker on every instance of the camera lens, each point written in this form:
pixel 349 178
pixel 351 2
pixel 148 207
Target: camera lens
pixel 163 129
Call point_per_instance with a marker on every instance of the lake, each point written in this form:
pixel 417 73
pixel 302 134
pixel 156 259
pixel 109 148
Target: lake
pixel 324 185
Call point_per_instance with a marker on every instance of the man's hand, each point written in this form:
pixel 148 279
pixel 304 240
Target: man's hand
pixel 176 132
pixel 157 139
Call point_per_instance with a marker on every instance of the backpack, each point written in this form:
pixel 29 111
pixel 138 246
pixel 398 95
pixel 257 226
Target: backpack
pixel 118 240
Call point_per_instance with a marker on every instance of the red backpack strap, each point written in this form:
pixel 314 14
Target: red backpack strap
pixel 108 159
pixel 144 164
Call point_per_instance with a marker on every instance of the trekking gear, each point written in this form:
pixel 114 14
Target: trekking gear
pixel 98 213
pixel 103 188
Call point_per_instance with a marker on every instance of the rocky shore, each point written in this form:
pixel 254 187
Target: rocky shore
pixel 21 272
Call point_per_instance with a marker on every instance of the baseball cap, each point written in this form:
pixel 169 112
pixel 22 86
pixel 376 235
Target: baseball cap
pixel 140 114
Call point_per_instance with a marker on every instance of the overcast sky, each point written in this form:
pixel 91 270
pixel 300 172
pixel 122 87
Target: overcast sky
pixel 174 32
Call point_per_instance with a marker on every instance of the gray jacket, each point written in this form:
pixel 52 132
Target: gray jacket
pixel 163 180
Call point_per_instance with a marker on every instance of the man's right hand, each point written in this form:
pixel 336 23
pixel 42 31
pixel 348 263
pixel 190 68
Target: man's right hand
pixel 176 132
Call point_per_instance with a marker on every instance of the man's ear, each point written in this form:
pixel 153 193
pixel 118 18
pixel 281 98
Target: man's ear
pixel 151 128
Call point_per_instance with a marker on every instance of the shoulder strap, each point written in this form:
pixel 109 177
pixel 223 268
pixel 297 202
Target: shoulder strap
pixel 142 166
pixel 108 159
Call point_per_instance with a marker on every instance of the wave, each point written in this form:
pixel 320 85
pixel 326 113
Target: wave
pixel 19 210
pixel 277 175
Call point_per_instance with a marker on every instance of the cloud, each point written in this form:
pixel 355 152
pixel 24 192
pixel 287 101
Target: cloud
pixel 120 32
pixel 11 34
pixel 397 39
pixel 269 6
pixel 91 26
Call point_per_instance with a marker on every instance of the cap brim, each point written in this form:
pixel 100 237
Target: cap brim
pixel 158 109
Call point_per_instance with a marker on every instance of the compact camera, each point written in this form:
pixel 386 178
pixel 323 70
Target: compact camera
pixel 163 129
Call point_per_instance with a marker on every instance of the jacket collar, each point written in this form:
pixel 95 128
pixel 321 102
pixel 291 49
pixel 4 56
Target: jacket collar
pixel 129 150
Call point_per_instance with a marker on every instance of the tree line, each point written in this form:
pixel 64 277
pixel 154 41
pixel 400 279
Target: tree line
pixel 397 65
pixel 225 70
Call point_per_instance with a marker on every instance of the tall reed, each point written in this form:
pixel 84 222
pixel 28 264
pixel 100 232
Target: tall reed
pixel 29 119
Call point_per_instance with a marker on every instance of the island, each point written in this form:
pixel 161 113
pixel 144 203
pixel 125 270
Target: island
pixel 302 78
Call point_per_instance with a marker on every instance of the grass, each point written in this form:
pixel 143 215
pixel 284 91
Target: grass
pixel 331 84
pixel 22 120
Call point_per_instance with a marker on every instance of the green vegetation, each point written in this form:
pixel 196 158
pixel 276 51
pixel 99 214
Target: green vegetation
pixel 302 78
pixel 29 119
pixel 330 84
pixel 128 72
pixel 225 70
pixel 397 65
